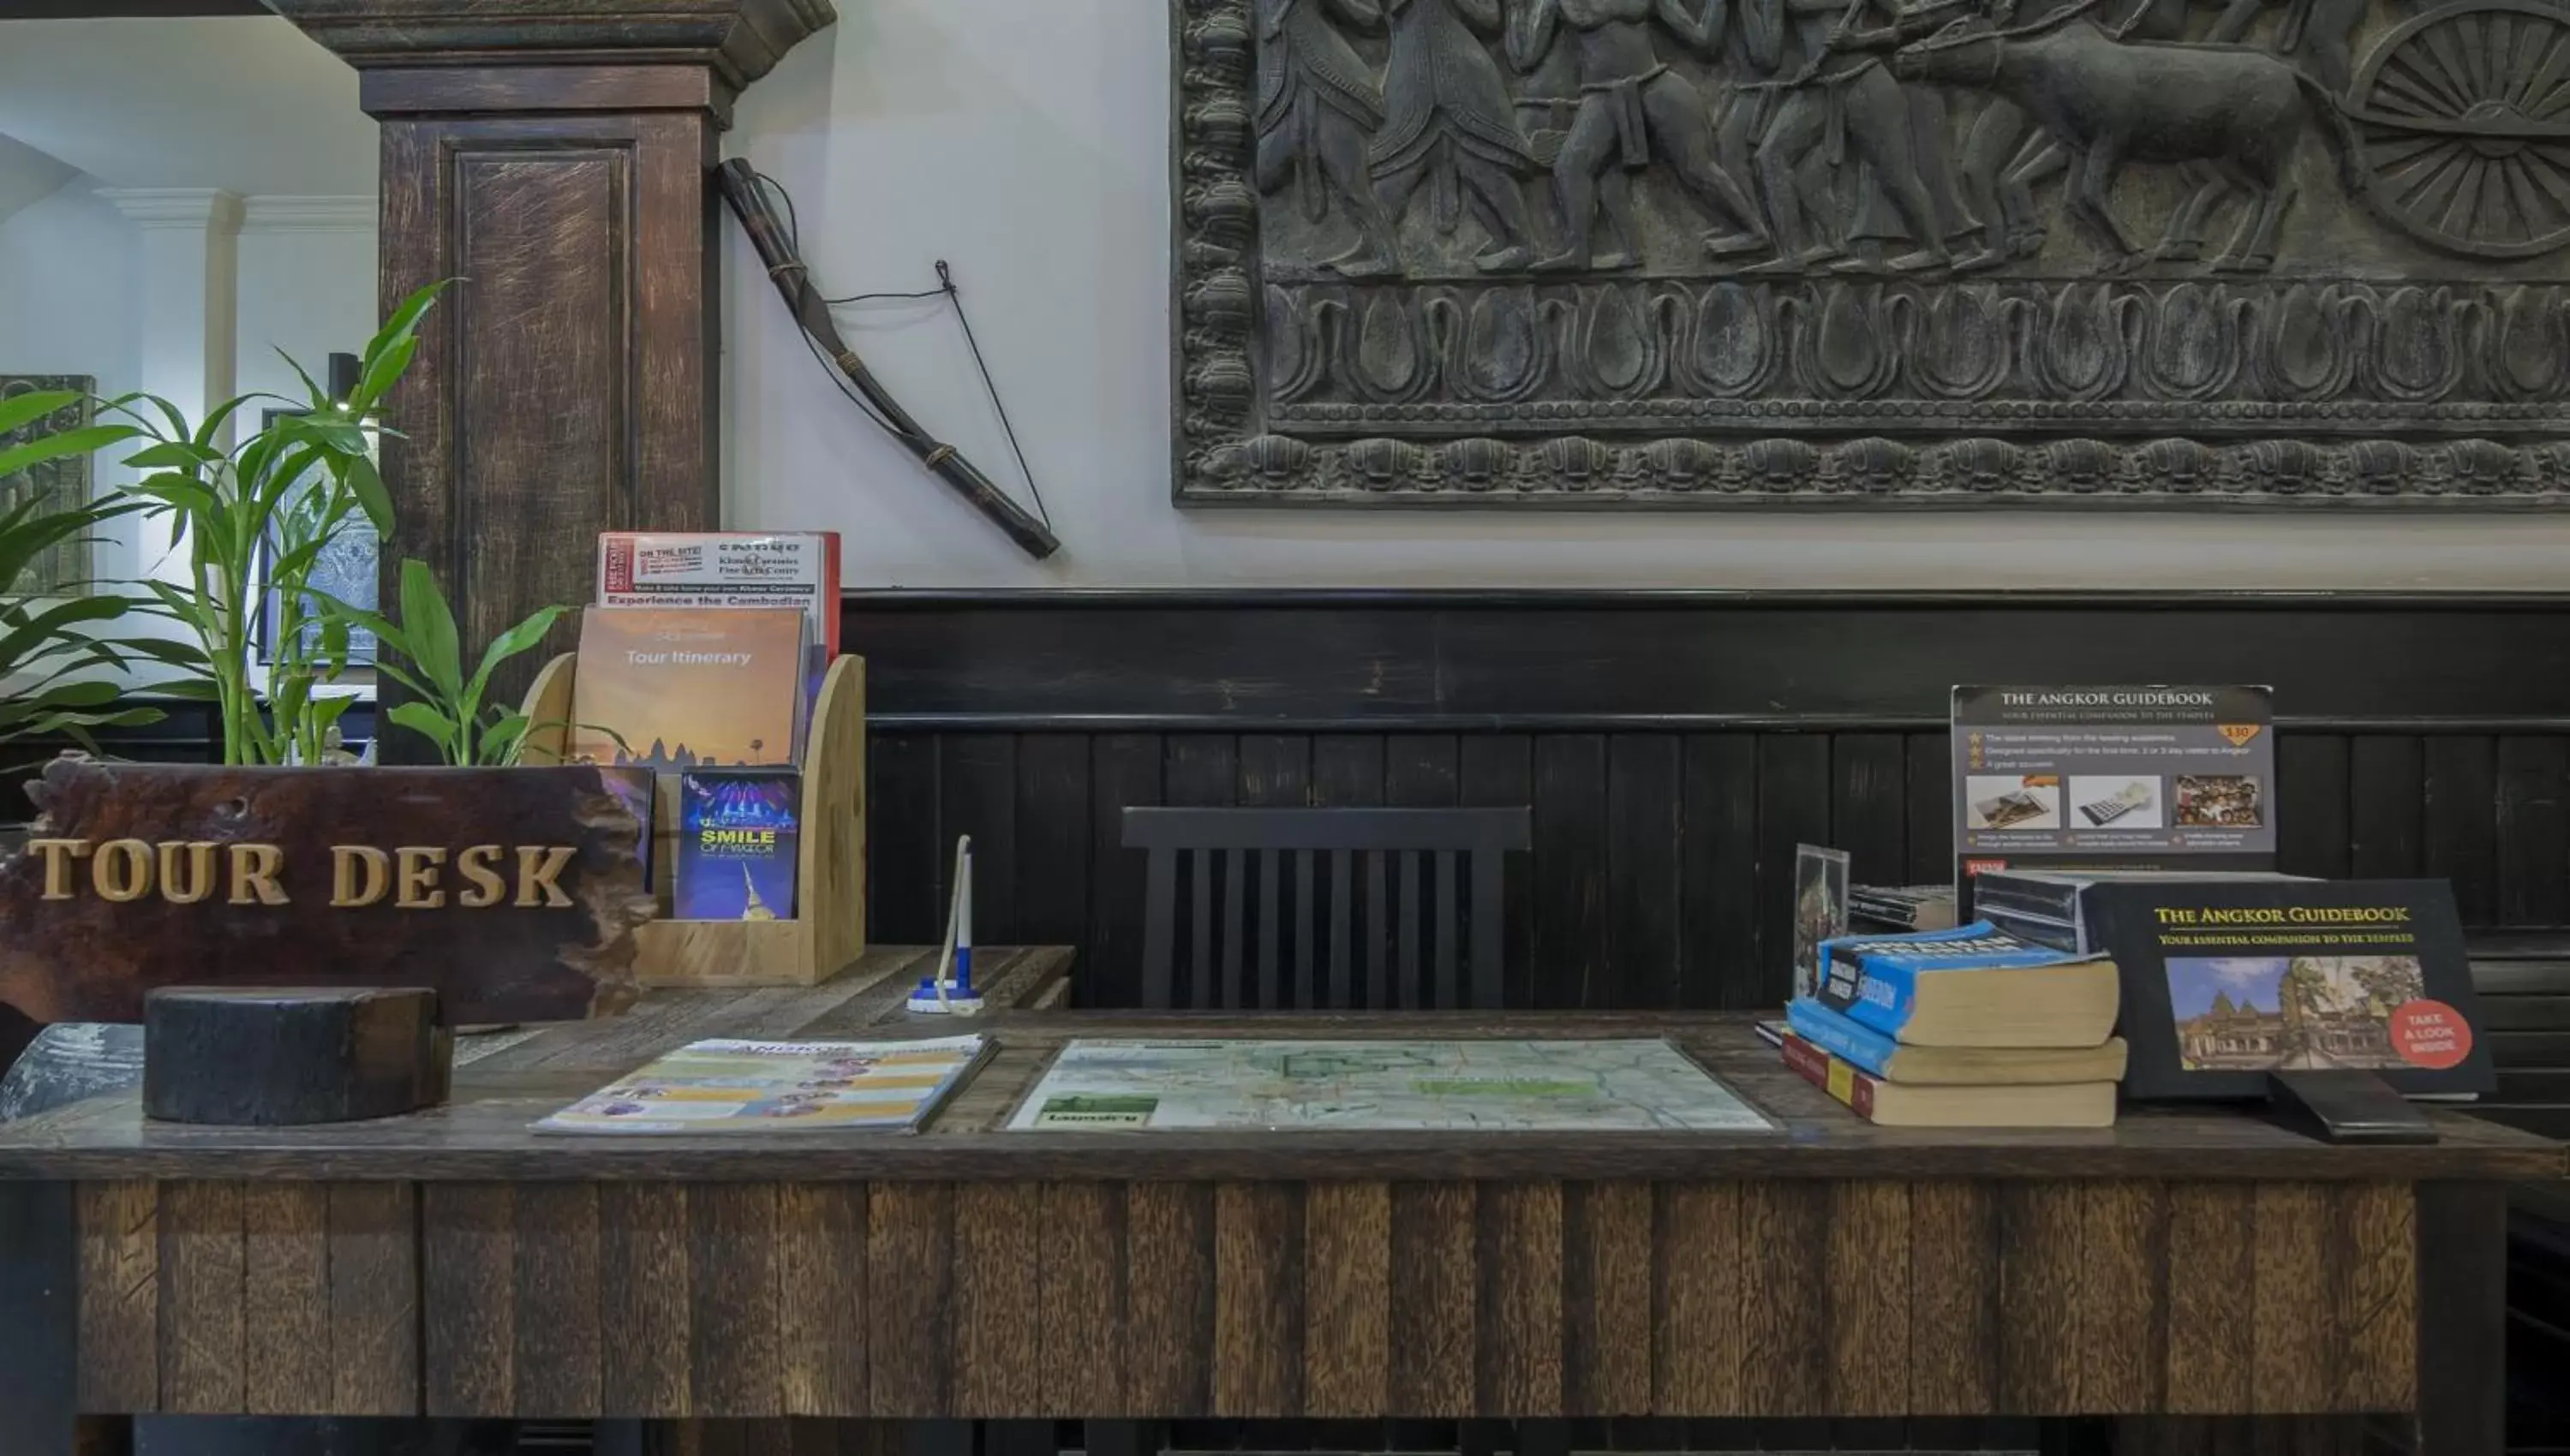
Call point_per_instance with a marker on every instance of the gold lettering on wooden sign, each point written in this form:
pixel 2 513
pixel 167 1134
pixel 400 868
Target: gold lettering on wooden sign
pixel 537 866
pixel 254 871
pixel 475 864
pixel 417 877
pixel 359 875
pixel 187 871
pixel 57 856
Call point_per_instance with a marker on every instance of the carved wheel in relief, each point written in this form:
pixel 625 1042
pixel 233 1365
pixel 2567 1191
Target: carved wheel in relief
pixel 2462 123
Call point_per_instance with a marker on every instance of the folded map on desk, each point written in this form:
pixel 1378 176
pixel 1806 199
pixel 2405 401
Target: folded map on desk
pixel 780 1086
pixel 1550 1085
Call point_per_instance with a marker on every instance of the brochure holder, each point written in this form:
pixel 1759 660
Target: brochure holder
pixel 2347 1107
pixel 827 931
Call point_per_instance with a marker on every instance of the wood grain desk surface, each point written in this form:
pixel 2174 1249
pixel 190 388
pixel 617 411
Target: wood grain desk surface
pixel 499 1090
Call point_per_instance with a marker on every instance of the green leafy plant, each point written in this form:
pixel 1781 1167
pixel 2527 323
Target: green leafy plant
pixel 60 665
pixel 446 706
pixel 256 519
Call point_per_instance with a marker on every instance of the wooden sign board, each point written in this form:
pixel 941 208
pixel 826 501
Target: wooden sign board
pixel 511 893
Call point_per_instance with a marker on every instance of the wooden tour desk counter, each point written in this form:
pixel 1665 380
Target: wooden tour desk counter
pixel 453 1263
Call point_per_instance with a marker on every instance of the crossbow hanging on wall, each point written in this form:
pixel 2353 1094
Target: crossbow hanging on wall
pixel 747 193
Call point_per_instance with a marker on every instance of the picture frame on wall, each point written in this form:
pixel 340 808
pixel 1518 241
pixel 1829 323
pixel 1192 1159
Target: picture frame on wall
pixel 348 570
pixel 62 569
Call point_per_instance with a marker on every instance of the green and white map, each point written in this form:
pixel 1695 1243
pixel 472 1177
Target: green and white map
pixel 1377 1086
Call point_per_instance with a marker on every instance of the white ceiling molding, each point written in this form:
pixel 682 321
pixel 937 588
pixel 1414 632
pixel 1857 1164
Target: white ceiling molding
pixel 208 208
pixel 352 213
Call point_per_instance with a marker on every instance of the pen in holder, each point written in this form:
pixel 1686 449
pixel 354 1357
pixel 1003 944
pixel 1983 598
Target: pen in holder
pixel 946 989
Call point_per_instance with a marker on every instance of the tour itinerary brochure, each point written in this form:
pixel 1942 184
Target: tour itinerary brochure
pixel 726 1087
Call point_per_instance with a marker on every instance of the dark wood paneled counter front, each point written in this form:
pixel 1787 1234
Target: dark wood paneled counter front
pixel 454 1264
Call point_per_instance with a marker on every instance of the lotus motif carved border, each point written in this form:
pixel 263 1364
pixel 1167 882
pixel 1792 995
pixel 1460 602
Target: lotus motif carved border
pixel 1602 253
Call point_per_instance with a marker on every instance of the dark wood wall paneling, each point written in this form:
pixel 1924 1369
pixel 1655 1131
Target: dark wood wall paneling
pixel 2538 1319
pixel 1654 852
pixel 1676 748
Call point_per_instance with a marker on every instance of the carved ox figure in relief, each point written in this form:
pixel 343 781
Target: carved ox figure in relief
pixel 2230 115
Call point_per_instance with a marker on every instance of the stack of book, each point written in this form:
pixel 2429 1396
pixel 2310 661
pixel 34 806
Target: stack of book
pixel 1966 1027
pixel 1901 907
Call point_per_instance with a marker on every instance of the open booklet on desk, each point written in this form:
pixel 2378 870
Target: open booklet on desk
pixel 728 1087
pixel 1551 1085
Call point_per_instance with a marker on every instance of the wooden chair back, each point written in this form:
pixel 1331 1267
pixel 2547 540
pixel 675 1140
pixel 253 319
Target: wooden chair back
pixel 1282 907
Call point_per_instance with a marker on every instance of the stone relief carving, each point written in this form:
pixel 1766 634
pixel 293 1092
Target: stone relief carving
pixel 2251 252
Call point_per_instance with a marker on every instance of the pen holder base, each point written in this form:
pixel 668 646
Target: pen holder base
pixel 926 1002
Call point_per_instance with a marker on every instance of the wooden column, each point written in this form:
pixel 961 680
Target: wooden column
pixel 558 166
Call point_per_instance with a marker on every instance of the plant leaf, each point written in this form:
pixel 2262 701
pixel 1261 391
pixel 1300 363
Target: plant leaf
pixel 177 455
pixel 367 485
pixel 430 626
pixel 50 623
pixel 398 329
pixel 384 370
pixel 84 441
pixel 521 639
pixel 212 423
pixel 427 722
pixel 22 409
pixel 326 712
pixel 321 397
pixel 334 643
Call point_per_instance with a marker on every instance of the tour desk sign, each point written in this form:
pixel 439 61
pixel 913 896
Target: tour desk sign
pixel 511 893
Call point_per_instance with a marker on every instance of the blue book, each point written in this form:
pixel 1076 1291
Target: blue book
pixel 1887 1060
pixel 1863 1047
pixel 1973 985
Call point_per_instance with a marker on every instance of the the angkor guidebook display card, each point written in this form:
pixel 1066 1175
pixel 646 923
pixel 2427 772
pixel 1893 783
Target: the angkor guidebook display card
pixel 2126 778
pixel 2224 983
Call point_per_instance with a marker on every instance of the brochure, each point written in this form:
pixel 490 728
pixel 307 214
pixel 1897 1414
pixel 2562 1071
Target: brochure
pixel 1562 1085
pixel 2107 778
pixel 730 1087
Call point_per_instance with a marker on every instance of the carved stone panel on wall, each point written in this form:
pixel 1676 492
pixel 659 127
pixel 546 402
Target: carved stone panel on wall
pixel 56 485
pixel 1917 252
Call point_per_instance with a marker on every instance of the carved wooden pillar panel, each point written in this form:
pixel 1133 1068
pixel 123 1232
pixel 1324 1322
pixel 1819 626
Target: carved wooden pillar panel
pixel 558 169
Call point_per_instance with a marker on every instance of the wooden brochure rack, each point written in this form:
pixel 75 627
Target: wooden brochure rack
pixel 828 929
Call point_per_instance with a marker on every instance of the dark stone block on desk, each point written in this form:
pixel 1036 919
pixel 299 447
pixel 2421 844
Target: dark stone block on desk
pixel 277 1058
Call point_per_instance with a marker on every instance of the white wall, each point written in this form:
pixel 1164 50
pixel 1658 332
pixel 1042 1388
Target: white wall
pixel 70 279
pixel 67 264
pixel 308 286
pixel 1026 140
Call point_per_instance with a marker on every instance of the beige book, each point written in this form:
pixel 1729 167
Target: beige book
pixel 1986 1067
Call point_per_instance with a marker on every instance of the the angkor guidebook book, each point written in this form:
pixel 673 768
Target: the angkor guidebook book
pixel 2226 981
pixel 739 833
